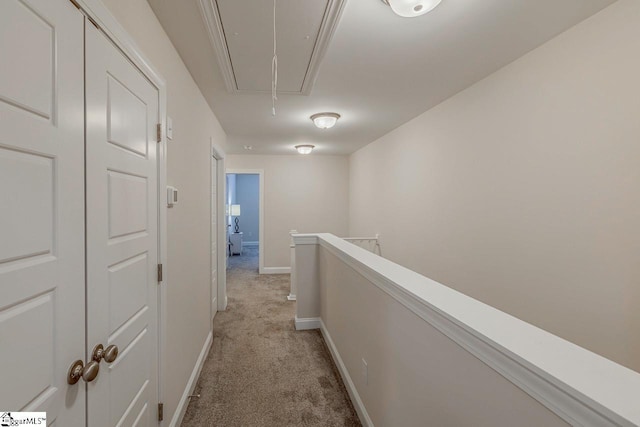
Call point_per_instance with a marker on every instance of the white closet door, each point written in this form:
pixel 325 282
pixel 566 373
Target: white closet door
pixel 41 208
pixel 122 235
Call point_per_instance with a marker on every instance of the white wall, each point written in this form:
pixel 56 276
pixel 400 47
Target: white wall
pixel 248 197
pixel 523 191
pixel 188 269
pixel 305 193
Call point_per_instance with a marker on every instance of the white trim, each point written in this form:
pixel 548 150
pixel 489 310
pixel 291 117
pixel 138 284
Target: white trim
pixel 162 247
pixel 306 323
pixel 346 378
pixel 213 23
pixel 181 409
pixel 217 156
pixel 116 32
pixel 109 25
pixel 328 28
pixel 291 297
pixel 250 243
pixel 581 387
pixel 305 239
pixel 276 270
pixel 222 232
pixel 360 239
pixel 260 173
pixel 213 238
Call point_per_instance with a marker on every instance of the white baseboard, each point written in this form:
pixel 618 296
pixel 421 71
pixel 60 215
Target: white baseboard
pixel 191 385
pixel 307 323
pixel 291 297
pixel 250 243
pixel 346 378
pixel 276 270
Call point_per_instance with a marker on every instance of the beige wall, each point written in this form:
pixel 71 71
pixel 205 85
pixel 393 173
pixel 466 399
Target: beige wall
pixel 304 193
pixel 523 191
pixel 188 269
pixel 417 376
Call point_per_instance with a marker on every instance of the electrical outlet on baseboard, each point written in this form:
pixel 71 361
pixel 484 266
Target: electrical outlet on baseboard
pixel 365 372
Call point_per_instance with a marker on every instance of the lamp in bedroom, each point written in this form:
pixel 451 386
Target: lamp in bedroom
pixel 235 211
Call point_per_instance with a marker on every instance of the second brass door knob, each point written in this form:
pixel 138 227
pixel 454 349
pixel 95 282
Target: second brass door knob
pixel 109 354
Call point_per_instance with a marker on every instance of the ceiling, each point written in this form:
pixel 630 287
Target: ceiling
pixel 379 70
pixel 244 55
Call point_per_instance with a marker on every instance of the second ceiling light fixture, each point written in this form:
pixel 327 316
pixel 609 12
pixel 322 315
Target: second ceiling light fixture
pixel 322 121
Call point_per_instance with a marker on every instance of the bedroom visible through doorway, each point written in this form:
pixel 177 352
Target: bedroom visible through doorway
pixel 243 219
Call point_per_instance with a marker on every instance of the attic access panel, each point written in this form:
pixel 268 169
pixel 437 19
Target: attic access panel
pixel 241 32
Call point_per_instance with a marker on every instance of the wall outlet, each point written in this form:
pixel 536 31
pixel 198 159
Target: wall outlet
pixel 365 372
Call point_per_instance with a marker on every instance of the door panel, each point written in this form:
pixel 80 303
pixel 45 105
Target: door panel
pixel 27 27
pixel 122 236
pixel 126 118
pixel 28 225
pixel 42 210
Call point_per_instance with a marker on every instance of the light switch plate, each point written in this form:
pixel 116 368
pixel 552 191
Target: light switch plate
pixel 169 128
pixel 365 372
pixel 172 196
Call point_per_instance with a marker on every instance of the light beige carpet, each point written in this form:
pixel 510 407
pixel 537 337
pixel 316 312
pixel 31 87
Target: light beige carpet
pixel 260 370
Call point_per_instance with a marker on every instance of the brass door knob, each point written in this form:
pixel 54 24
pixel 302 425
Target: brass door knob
pixel 109 354
pixel 98 353
pixel 75 372
pixel 79 370
pixel 90 371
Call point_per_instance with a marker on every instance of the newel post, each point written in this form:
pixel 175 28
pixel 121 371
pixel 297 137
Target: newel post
pixel 307 281
pixel 292 245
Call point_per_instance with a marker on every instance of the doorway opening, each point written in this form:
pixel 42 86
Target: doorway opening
pixel 245 230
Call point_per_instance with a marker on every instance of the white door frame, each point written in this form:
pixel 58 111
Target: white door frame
pixel 106 22
pixel 261 247
pixel 217 156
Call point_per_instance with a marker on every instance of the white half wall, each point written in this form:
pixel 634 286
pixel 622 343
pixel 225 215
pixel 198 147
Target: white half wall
pixel 523 191
pixel 187 278
pixel 304 193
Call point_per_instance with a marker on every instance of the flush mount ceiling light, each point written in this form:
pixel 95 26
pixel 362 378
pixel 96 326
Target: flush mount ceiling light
pixel 305 148
pixel 325 120
pixel 411 8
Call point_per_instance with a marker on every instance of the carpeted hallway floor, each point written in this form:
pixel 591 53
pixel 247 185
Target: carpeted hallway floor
pixel 260 371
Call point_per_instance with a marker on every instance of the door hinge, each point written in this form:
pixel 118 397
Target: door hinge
pixel 95 24
pixel 160 411
pixel 159 272
pixel 159 132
